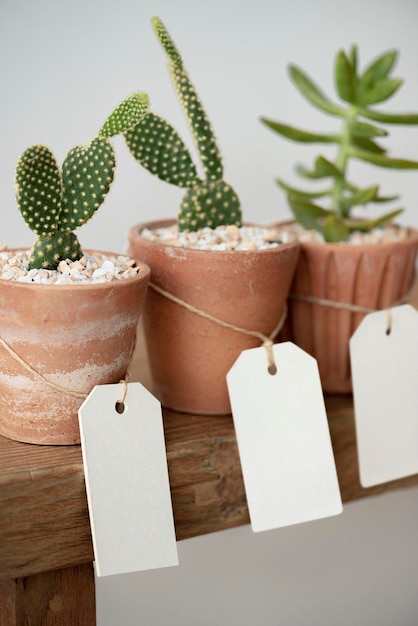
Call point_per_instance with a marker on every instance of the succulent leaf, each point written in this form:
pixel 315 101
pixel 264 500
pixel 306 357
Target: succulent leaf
pixel 345 79
pixel 211 204
pixel 389 118
pixel 360 197
pixel 353 58
pixel 367 225
pixel 335 230
pixel 38 189
pixel 322 169
pixel 357 140
pixel 312 93
pixel 309 195
pixel 383 161
pixel 377 70
pixel 367 144
pixel 362 129
pixel 160 149
pixel 307 213
pixel 296 134
pixel 381 90
pixel 126 115
pixel 87 173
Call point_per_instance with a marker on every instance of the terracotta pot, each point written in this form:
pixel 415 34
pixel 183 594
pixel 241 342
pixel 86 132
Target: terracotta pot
pixel 76 337
pixel 190 356
pixel 373 276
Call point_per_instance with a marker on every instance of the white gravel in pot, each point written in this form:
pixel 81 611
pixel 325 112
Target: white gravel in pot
pixel 259 237
pixel 88 270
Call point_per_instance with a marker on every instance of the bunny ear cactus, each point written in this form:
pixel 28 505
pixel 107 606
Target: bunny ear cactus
pixel 159 148
pixel 54 203
pixel 358 139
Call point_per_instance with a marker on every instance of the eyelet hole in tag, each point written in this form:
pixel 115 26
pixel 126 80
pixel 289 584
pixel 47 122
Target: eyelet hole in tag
pixel 128 491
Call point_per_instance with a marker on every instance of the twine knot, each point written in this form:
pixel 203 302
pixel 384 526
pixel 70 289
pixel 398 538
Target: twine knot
pixel 266 342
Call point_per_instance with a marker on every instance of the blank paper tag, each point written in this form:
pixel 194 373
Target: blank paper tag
pixel 283 438
pixel 385 388
pixel 127 482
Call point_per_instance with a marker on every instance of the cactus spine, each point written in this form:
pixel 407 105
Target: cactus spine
pixel 54 203
pixel 159 148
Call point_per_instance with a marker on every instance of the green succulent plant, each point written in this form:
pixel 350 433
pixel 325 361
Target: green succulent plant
pixel 56 202
pixel 208 201
pixel 358 138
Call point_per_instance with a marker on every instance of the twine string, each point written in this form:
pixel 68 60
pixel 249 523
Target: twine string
pixel 124 384
pixel 266 341
pixel 354 308
pixel 37 375
pixel 41 378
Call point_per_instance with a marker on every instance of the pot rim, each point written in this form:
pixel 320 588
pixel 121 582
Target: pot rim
pixel 144 274
pixel 411 234
pixel 134 235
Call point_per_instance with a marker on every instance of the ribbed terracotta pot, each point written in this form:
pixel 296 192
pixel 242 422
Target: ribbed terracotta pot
pixel 190 356
pixel 75 337
pixel 373 276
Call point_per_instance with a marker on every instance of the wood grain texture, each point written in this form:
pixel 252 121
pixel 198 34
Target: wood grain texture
pixel 58 598
pixel 44 521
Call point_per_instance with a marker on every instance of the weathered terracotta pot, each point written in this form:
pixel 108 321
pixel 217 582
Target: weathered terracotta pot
pixel 74 336
pixel 190 356
pixel 373 276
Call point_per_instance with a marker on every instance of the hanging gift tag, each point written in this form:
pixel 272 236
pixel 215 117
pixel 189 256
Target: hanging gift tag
pixel 384 365
pixel 127 484
pixel 283 438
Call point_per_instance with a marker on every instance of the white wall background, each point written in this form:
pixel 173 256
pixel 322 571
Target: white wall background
pixel 63 67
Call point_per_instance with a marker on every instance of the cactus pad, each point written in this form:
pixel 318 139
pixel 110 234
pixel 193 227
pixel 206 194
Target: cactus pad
pixel 166 42
pixel 38 189
pixel 126 115
pixel 87 174
pixel 209 204
pixel 55 203
pixel 195 114
pixel 199 123
pixel 49 250
pixel 158 147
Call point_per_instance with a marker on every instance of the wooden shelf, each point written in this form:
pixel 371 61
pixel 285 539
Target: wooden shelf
pixel 44 523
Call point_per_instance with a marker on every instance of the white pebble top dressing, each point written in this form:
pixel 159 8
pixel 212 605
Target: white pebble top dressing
pixel 88 270
pixel 386 234
pixel 259 237
pixel 220 238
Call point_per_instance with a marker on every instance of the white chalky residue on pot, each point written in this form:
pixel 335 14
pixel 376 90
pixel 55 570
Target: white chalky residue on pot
pixel 54 404
pixel 76 380
pixel 82 333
